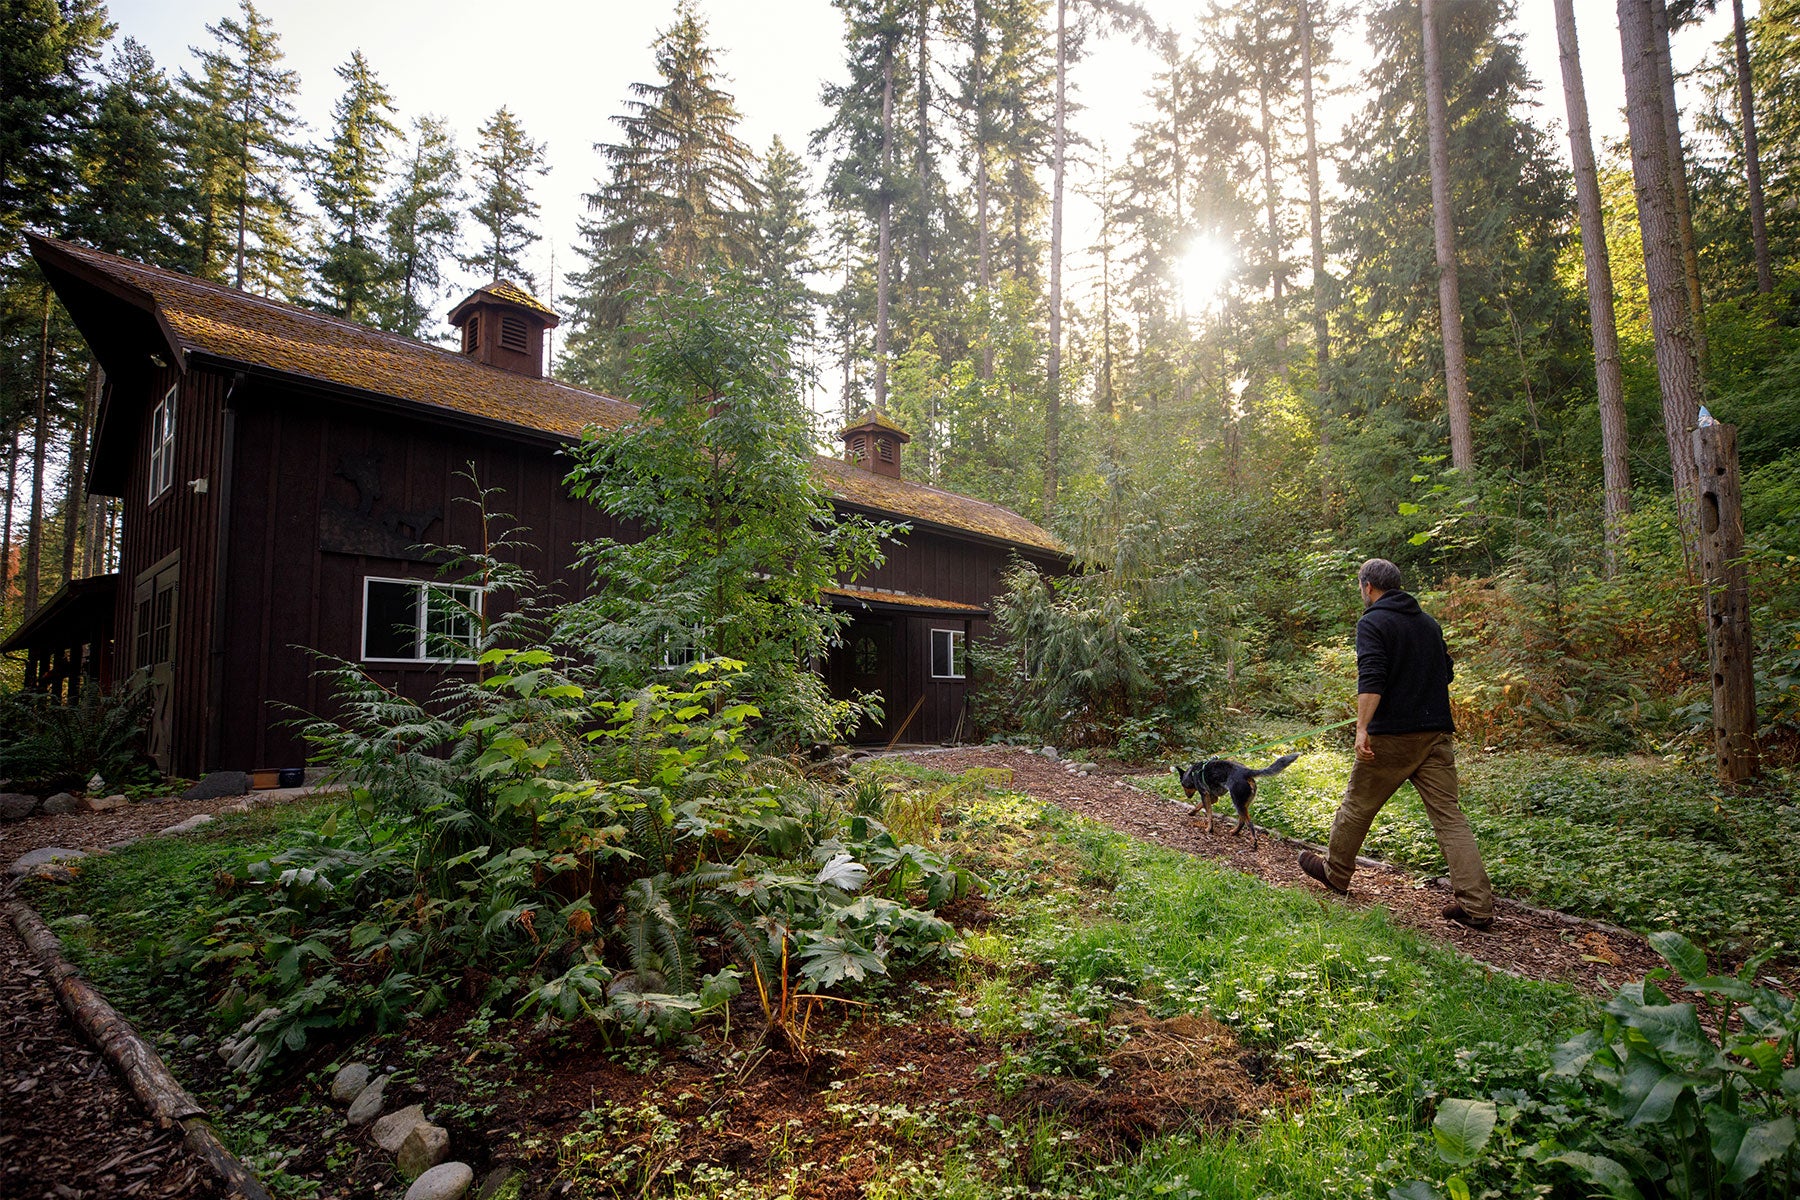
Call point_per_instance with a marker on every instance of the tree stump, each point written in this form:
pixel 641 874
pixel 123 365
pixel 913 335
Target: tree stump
pixel 1727 602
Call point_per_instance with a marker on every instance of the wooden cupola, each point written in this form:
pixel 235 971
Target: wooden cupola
pixel 503 326
pixel 873 443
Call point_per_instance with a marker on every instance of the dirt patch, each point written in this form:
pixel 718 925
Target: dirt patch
pixel 1525 943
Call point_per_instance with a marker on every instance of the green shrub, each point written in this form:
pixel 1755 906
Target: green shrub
pixel 49 745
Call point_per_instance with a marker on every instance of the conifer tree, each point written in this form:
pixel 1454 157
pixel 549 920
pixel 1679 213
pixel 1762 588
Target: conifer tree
pixel 504 163
pixel 423 223
pixel 679 198
pixel 129 202
pixel 241 150
pixel 785 237
pixel 348 182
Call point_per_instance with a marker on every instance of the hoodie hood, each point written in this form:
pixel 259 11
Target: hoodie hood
pixel 1396 601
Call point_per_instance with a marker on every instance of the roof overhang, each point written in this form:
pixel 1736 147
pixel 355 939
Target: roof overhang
pixel 78 607
pixel 875 600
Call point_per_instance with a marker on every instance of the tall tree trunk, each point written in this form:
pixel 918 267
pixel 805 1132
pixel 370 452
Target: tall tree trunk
pixel 1316 220
pixel 77 482
pixel 884 236
pixel 243 197
pixel 1759 229
pixel 1671 313
pixel 922 156
pixel 1678 179
pixel 1456 373
pixel 6 528
pixel 1053 373
pixel 34 545
pixel 1609 379
pixel 983 265
pixel 1272 199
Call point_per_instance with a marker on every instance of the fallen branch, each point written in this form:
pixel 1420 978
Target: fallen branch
pixel 159 1091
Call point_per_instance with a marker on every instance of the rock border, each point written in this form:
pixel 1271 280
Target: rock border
pixel 119 1043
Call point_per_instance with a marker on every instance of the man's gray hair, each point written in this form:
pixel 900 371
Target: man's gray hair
pixel 1380 574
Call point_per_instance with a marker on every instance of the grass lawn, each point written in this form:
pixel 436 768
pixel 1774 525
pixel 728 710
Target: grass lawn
pixel 1638 842
pixel 1343 1028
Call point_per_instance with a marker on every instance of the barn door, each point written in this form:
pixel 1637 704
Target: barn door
pixel 153 638
pixel 866 663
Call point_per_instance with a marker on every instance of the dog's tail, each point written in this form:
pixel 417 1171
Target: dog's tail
pixel 1278 766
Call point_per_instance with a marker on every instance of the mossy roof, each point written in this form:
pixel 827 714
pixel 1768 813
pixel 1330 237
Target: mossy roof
pixel 239 327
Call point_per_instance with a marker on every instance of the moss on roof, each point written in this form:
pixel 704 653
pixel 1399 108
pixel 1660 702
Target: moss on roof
pixel 511 293
pixel 905 599
pixel 229 324
pixel 875 419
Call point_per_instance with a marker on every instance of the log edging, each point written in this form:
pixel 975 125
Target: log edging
pixel 150 1078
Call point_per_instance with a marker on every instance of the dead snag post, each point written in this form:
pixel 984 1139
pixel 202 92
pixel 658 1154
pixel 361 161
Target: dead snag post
pixel 1727 601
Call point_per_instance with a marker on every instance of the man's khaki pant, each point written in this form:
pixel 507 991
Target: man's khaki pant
pixel 1428 762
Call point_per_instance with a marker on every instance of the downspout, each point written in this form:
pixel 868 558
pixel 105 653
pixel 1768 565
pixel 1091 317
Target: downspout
pixel 215 683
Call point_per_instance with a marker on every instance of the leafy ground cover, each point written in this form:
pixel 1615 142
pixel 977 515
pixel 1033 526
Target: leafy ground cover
pixel 1123 1021
pixel 1636 841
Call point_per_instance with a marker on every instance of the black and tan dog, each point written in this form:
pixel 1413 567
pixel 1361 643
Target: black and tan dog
pixel 1220 777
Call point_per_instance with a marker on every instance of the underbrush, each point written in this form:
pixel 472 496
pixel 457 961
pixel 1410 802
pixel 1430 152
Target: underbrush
pixel 1635 841
pixel 1121 1021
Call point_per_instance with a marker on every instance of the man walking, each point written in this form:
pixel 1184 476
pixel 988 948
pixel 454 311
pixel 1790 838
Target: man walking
pixel 1403 734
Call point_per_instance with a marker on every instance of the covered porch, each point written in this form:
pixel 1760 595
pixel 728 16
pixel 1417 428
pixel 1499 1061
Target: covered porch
pixel 68 643
pixel 912 650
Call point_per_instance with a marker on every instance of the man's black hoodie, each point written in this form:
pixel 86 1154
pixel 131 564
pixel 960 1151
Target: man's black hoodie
pixel 1400 656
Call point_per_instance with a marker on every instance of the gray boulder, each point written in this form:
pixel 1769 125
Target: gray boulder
pixel 391 1130
pixel 38 860
pixel 424 1148
pixel 350 1079
pixel 368 1102
pixel 1049 752
pixel 188 826
pixel 219 784
pixel 446 1181
pixel 61 803
pixel 16 806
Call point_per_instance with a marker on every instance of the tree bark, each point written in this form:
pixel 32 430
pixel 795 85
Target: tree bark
pixel 1316 220
pixel 883 237
pixel 1266 142
pixel 1730 648
pixel 1053 372
pixel 34 544
pixel 1759 229
pixel 1609 380
pixel 6 528
pixel 983 261
pixel 922 156
pixel 1671 314
pixel 1456 372
pixel 1678 180
pixel 77 476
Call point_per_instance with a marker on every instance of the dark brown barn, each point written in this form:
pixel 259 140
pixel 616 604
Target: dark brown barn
pixel 278 466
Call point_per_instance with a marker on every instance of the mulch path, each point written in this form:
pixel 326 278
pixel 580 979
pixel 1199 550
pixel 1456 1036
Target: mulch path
pixel 1590 956
pixel 70 1128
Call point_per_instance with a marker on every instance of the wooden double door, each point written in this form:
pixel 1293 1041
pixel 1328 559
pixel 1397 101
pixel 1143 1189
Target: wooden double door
pixel 869 661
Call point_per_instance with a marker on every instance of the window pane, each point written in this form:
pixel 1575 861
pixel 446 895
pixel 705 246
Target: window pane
pixel 449 622
pixel 391 620
pixel 947 653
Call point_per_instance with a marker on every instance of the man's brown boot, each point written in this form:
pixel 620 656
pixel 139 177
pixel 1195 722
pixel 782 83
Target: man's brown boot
pixel 1454 911
pixel 1314 866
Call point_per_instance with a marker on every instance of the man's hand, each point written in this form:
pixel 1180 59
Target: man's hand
pixel 1366 704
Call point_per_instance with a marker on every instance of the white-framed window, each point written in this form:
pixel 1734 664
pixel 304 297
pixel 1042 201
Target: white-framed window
pixel 680 653
pixel 947 654
pixel 162 445
pixel 410 620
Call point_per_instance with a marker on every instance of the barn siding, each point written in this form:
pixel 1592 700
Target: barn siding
pixel 180 521
pixel 286 594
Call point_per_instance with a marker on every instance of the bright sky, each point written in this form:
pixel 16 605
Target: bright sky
pixel 566 66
